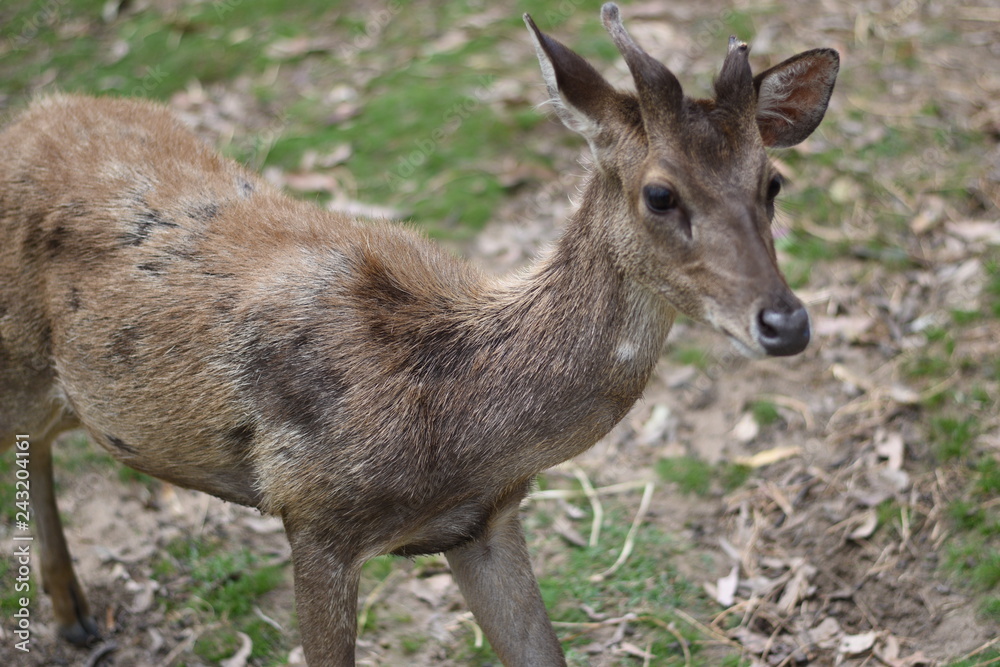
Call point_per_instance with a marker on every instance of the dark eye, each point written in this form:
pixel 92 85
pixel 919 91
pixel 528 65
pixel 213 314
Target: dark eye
pixel 773 188
pixel 659 199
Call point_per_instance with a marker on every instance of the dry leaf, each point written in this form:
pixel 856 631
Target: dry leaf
pixel 798 588
pixel 264 524
pixel 849 328
pixel 310 182
pixel 725 588
pixel 657 425
pixel 746 428
pixel 769 456
pixel 985 231
pixel 867 523
pixel 754 642
pixel 890 446
pixel 855 644
pixel 144 592
pixel 827 634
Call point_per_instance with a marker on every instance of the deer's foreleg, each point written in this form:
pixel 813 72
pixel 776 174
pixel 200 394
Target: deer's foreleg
pixel 326 599
pixel 495 576
pixel 69 605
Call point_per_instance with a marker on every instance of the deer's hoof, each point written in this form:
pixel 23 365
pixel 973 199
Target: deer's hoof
pixel 81 633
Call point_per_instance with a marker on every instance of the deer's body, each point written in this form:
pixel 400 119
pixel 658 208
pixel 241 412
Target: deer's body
pixel 378 394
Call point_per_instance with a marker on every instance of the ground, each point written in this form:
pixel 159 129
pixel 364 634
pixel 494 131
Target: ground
pixel 835 508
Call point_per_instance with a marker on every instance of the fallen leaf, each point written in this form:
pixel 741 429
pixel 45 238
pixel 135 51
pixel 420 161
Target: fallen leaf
pixel 986 231
pixel 754 642
pixel 855 644
pixel 657 425
pixel 849 328
pixel 769 456
pixel 867 523
pixel 311 182
pixel 725 588
pixel 798 588
pixel 144 592
pixel 827 634
pixel 889 445
pixel 746 428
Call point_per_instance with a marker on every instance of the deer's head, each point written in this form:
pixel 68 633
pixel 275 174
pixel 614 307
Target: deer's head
pixel 690 188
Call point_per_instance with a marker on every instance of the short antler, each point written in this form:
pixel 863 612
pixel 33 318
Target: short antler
pixel 734 87
pixel 660 94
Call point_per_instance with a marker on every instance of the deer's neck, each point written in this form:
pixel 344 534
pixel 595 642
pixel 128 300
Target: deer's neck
pixel 585 337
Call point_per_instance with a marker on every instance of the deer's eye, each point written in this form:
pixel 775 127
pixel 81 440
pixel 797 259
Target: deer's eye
pixel 773 188
pixel 659 199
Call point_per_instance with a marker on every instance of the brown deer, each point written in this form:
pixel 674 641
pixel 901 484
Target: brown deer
pixel 377 394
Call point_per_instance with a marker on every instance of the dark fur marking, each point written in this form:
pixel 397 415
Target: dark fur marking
pixel 245 188
pixel 203 212
pixel 240 439
pixel 74 299
pixel 55 240
pixel 419 334
pixel 291 380
pixel 118 443
pixel 142 225
pixel 154 268
pixel 33 239
pixel 123 344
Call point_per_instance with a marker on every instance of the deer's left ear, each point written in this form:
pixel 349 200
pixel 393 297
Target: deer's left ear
pixel 792 96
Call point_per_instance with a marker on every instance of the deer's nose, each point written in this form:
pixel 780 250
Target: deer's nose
pixel 783 330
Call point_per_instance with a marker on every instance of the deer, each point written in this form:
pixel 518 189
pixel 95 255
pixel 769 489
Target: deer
pixel 378 394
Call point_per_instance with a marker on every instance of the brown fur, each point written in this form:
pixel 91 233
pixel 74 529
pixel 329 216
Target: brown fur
pixel 376 393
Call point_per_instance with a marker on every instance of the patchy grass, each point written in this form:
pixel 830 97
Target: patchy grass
pixel 220 587
pixel 693 475
pixel 765 413
pixel 646 585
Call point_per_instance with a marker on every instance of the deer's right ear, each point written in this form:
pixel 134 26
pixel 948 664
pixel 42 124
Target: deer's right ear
pixel 583 99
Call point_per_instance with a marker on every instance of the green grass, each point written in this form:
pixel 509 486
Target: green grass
pixel 952 437
pixel 689 355
pixel 692 475
pixel 646 585
pixel 221 586
pixel 427 140
pixel 765 413
pixel 988 657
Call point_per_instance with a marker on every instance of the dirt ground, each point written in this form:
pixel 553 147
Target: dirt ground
pixel 809 565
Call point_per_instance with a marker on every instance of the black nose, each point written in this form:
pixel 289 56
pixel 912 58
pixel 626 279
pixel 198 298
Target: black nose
pixel 783 331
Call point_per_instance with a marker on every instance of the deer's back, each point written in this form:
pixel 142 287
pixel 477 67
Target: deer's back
pixel 175 301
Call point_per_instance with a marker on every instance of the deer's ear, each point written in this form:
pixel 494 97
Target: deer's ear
pixel 792 96
pixel 583 99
